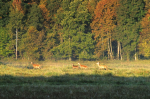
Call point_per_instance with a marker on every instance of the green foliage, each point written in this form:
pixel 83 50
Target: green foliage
pixel 4 42
pixel 62 28
pixel 31 44
pixel 15 20
pixel 4 12
pixel 129 15
pixel 145 45
pixel 76 39
pixel 53 6
pixel 35 17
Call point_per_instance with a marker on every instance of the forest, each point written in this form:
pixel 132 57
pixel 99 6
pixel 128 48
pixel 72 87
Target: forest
pixel 75 29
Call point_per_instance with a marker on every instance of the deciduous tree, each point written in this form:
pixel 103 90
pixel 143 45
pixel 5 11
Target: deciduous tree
pixel 144 45
pixel 103 26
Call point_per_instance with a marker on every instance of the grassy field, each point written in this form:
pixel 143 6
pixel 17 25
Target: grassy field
pixel 58 80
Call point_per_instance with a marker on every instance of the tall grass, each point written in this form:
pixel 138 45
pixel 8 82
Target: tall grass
pixel 58 80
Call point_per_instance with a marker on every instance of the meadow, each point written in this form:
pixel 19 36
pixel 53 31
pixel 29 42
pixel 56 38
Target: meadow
pixel 58 80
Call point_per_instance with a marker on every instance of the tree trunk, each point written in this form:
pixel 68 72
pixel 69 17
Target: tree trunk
pixel 135 54
pixel 61 38
pixel 69 50
pixel 108 49
pixel 111 53
pixel 119 55
pixel 16 41
pixel 128 56
pixel 118 51
pixel 103 47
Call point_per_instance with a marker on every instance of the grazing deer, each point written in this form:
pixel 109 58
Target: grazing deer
pixel 82 66
pixel 102 66
pixel 35 65
pixel 75 66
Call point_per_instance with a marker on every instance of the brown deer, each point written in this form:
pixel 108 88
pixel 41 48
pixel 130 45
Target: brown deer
pixel 82 66
pixel 102 66
pixel 35 65
pixel 75 66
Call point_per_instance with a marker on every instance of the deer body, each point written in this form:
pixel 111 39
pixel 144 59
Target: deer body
pixel 35 65
pixel 82 66
pixel 102 66
pixel 75 66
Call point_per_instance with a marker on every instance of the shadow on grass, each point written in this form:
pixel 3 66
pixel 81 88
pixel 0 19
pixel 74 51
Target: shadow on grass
pixel 80 86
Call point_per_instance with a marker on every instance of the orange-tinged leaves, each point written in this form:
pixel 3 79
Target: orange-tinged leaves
pixel 32 34
pixel 32 29
pixel 17 5
pixel 104 14
pixel 103 23
pixel 145 35
pixel 35 36
pixel 43 1
pixel 147 4
pixel 145 26
pixel 45 12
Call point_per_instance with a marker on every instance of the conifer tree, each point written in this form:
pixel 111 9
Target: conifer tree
pixel 76 37
pixel 144 44
pixel 5 51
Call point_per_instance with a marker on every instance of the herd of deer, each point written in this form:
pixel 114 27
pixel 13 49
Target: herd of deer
pixel 36 66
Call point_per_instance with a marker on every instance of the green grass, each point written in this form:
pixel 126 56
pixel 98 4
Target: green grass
pixel 57 80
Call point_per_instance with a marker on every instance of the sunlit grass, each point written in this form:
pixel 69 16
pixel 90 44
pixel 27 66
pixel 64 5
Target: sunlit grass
pixel 120 69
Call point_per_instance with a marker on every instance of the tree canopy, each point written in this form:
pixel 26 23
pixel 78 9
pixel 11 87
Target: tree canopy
pixel 74 29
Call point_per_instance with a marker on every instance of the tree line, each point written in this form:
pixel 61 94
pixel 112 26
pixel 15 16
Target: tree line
pixel 75 29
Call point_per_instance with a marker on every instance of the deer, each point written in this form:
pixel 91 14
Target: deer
pixel 75 66
pixel 102 66
pixel 36 66
pixel 82 66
